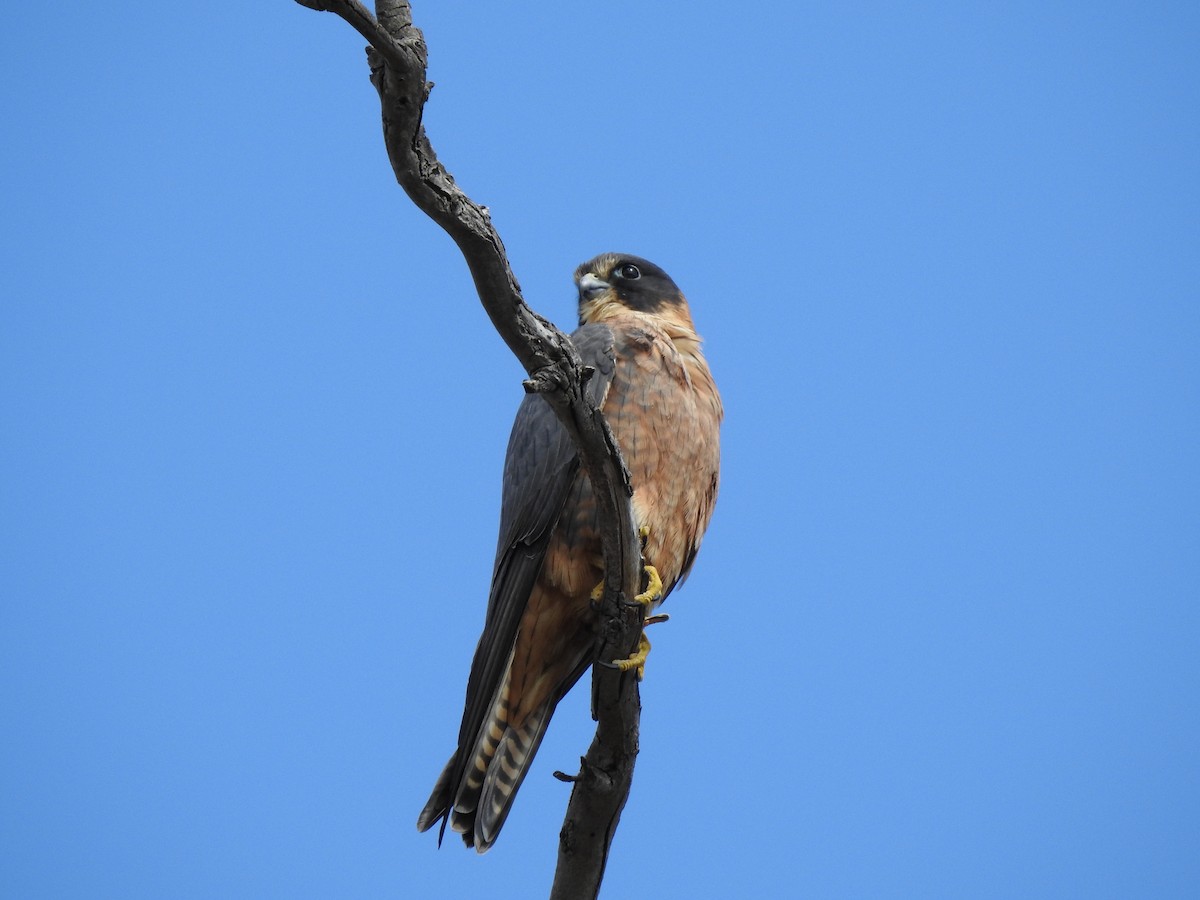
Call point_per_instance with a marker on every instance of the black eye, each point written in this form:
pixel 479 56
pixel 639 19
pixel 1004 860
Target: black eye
pixel 629 271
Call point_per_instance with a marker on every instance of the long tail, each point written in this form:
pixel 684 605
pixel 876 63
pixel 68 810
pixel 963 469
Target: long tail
pixel 475 798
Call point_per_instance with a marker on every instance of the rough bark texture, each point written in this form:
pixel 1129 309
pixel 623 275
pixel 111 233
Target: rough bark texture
pixel 397 58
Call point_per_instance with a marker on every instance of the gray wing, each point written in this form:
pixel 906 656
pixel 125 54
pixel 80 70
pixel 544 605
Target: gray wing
pixel 539 468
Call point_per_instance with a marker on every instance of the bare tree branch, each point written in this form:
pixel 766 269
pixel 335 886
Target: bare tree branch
pixel 397 58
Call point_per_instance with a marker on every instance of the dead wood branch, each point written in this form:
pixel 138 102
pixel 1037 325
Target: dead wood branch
pixel 397 57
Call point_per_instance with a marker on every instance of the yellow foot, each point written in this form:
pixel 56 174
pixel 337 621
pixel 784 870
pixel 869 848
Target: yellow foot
pixel 647 598
pixel 637 660
pixel 654 588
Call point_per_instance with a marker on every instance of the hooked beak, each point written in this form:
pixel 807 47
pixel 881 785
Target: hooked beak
pixel 590 286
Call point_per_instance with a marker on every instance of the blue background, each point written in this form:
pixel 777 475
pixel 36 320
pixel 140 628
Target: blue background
pixel 942 637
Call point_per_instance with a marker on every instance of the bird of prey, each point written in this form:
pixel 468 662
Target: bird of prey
pixel 655 389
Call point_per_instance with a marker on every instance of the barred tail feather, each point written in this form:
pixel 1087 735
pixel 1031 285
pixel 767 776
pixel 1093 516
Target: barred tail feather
pixel 478 804
pixel 475 792
pixel 505 773
pixel 457 788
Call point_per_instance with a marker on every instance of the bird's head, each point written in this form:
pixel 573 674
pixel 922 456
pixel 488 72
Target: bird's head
pixel 617 283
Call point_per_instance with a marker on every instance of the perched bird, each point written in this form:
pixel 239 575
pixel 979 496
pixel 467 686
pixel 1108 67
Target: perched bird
pixel 654 386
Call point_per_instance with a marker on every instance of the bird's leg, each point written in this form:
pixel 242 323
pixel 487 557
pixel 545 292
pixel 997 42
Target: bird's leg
pixel 637 659
pixel 654 583
pixel 654 588
pixel 647 598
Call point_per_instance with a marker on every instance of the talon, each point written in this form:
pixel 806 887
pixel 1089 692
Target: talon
pixel 648 597
pixel 654 588
pixel 636 660
pixel 654 620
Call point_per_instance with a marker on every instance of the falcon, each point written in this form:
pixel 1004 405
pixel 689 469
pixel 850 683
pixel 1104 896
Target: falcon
pixel 655 389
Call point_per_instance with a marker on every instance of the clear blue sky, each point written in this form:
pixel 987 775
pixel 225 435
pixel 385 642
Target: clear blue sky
pixel 942 640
